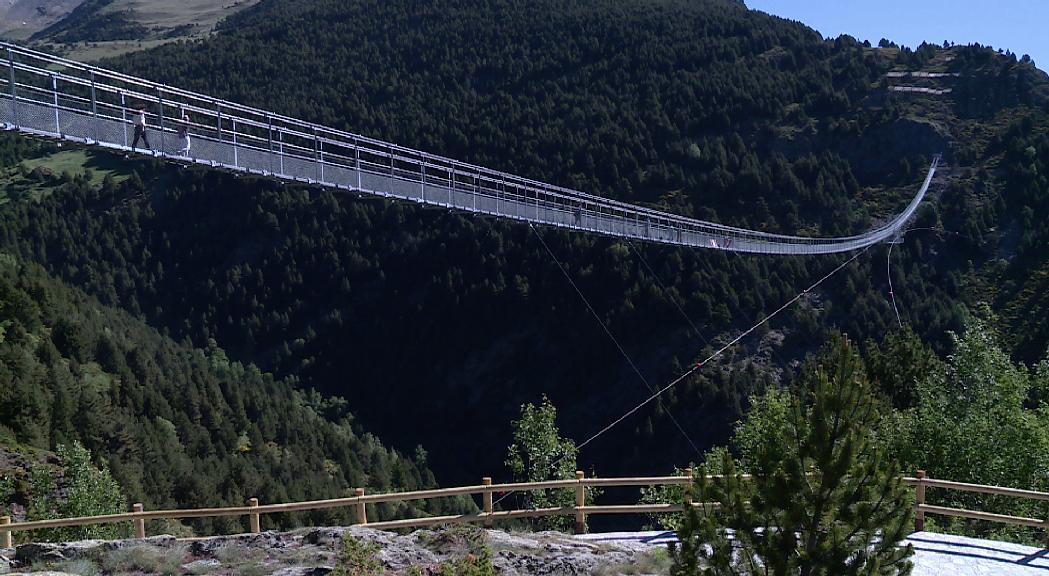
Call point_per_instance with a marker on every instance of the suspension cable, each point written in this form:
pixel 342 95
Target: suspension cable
pixel 888 264
pixel 698 365
pixel 612 337
pixel 888 274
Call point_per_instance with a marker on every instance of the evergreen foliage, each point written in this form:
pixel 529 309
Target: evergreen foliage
pixel 822 498
pixel 357 558
pixel 175 426
pixel 698 106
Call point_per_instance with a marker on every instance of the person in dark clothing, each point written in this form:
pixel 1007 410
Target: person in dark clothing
pixel 140 129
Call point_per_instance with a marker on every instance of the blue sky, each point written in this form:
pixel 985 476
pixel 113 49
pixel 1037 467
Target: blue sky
pixel 1018 25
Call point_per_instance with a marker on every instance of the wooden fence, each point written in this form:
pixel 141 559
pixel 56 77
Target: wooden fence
pixel 580 510
pixel 921 484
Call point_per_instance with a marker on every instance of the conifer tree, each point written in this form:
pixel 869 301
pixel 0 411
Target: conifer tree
pixel 826 502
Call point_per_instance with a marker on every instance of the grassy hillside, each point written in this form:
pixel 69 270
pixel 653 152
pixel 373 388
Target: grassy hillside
pixel 93 29
pixel 437 326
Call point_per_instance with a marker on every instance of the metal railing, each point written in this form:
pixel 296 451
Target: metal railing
pixel 48 96
pixel 488 515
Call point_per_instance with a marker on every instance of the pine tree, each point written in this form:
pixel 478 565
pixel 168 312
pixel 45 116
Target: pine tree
pixel 827 502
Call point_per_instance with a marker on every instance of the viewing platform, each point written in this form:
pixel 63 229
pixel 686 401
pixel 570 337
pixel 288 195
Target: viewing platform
pixel 935 554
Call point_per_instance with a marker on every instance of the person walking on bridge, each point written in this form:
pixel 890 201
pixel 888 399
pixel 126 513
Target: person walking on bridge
pixel 183 135
pixel 140 129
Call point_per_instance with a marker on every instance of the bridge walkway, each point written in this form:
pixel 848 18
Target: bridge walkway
pixel 47 96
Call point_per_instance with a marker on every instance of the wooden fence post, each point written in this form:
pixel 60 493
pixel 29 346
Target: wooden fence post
pixel 6 541
pixel 919 500
pixel 688 488
pixel 580 501
pixel 362 512
pixel 486 500
pixel 253 518
pixel 140 524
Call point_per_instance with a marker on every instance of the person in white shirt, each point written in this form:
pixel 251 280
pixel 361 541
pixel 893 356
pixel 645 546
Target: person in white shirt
pixel 183 134
pixel 140 129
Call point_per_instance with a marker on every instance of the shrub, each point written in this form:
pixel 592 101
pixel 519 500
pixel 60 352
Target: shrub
pixel 467 546
pixel 89 491
pixel 145 558
pixel 357 558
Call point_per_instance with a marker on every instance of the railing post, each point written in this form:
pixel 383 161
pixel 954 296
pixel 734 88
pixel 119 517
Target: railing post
pixel 54 89
pixel 362 512
pixel 486 501
pixel 11 74
pixel 317 155
pixel 357 161
pixel 280 145
pixel 94 102
pixel 160 108
pixel 123 115
pixel 499 194
pixel 94 105
pixel 140 524
pixel 580 501
pixel 422 183
pixel 236 161
pixel 6 541
pixel 269 134
pixel 253 518
pixel 688 488
pixel 919 501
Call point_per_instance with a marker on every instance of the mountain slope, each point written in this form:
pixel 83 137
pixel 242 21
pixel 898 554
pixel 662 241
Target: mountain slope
pixel 179 427
pixel 437 326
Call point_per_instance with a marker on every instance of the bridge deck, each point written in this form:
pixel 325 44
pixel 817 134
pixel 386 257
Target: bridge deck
pixel 42 95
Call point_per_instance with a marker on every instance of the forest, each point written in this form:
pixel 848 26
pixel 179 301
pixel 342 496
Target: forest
pixel 177 426
pixel 433 328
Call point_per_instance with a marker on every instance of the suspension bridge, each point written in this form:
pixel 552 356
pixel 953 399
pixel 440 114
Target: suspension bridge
pixel 46 96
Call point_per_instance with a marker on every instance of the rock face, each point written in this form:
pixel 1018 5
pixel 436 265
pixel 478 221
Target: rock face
pixel 314 552
pixel 37 553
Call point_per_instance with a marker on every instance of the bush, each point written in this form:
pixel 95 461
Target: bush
pixel 89 491
pixel 467 546
pixel 357 558
pixel 145 558
pixel 538 454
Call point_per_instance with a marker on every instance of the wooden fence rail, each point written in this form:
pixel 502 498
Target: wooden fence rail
pixel 922 483
pixel 580 510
